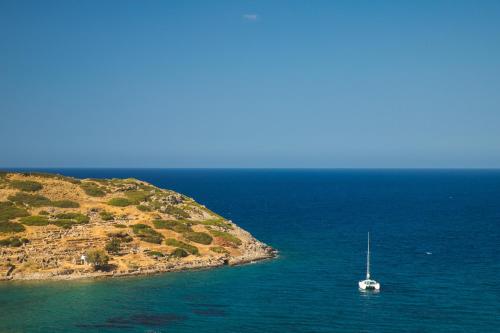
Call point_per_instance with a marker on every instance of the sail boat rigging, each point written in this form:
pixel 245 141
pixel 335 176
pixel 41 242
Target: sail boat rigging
pixel 368 284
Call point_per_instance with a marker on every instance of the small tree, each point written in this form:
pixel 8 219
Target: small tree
pixel 113 246
pixel 97 258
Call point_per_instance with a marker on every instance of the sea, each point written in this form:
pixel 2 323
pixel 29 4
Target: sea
pixel 435 249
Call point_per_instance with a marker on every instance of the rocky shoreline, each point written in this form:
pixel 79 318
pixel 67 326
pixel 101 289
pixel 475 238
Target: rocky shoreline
pixel 201 264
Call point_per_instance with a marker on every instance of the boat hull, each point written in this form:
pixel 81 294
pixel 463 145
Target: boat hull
pixel 369 285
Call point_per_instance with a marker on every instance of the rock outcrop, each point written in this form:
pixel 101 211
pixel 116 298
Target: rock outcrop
pixel 52 226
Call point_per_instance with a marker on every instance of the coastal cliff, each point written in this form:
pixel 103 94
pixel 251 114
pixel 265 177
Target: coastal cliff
pixel 58 227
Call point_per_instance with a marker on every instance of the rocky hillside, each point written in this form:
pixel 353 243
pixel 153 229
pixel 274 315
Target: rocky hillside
pixel 58 227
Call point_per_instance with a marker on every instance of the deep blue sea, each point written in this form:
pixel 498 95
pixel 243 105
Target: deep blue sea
pixel 435 250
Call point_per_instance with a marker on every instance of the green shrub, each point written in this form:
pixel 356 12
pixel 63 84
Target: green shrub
pixel 63 223
pixel 34 220
pixel 68 220
pixel 77 218
pixel 176 243
pixel 65 204
pixel 7 227
pixel 92 189
pixel 144 208
pixel 43 212
pixel 155 239
pixel 140 229
pixel 179 253
pixel 155 254
pixel 34 200
pixel 147 234
pixel 219 249
pixel 106 216
pixel 13 241
pixel 198 237
pixel 233 240
pixel 119 202
pixel 26 185
pixel 9 211
pixel 136 197
pixel 113 246
pixel 122 236
pixel 97 258
pixel 177 212
pixel 216 222
pixel 118 225
pixel 176 226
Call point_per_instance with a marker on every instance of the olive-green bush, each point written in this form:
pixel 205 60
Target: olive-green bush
pixel 97 258
pixel 231 239
pixel 198 237
pixel 11 227
pixel 174 225
pixel 155 254
pixel 77 218
pixel 9 211
pixel 147 234
pixel 113 246
pixel 176 243
pixel 34 220
pixel 119 202
pixel 136 197
pixel 26 185
pixel 219 249
pixel 13 242
pixel 177 212
pixel 106 216
pixel 179 253
pixel 92 189
pixel 144 208
pixel 65 204
pixel 34 200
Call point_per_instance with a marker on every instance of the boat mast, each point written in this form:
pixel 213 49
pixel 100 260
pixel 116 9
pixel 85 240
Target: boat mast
pixel 368 259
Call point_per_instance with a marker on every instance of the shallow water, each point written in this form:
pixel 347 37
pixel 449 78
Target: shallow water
pixel 435 240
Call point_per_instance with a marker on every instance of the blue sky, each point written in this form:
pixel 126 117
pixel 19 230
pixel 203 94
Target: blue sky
pixel 330 84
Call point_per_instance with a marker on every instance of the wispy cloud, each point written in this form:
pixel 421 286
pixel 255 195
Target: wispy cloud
pixel 251 17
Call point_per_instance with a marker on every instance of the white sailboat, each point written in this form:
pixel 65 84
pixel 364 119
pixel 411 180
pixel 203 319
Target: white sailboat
pixel 368 284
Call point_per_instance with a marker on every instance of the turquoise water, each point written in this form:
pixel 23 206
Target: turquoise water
pixel 435 242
